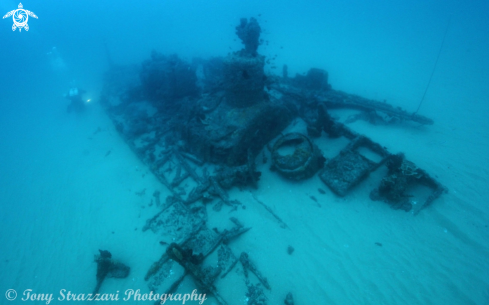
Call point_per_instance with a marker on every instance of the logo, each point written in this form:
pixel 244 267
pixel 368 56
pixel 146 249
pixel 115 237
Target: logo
pixel 11 294
pixel 20 17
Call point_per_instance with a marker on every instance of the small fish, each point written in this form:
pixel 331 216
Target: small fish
pixel 315 200
pixel 378 244
pixel 321 191
pixel 140 193
pixel 108 153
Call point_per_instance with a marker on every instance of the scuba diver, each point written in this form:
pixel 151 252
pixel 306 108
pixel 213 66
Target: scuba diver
pixel 75 96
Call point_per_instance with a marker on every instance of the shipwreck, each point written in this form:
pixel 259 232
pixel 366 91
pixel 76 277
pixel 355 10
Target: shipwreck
pixel 207 122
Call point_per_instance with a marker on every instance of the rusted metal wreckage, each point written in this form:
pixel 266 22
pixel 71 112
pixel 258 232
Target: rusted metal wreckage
pixel 199 128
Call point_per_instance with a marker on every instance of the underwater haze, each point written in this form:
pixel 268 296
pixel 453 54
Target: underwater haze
pixel 70 185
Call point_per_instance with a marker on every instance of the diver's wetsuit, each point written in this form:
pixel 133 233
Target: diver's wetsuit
pixel 75 96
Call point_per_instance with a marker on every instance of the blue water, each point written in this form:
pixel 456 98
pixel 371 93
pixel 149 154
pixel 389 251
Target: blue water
pixel 60 198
